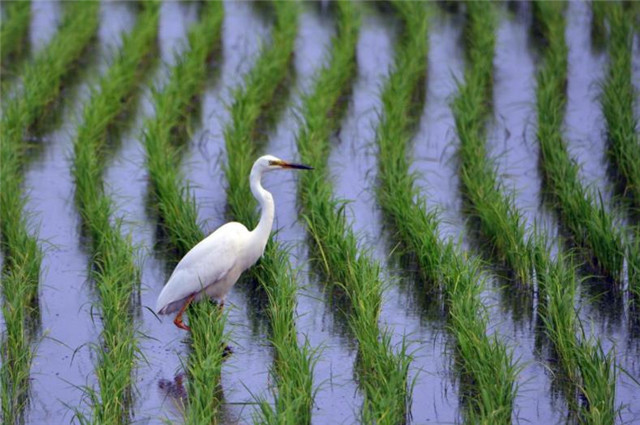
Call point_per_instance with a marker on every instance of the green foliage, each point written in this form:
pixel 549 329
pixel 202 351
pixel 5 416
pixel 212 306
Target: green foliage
pixel 484 361
pixel 14 33
pixel 591 226
pixel 586 367
pixel 293 363
pixel 42 79
pixel 617 107
pixel 177 206
pixel 252 100
pixel 113 269
pixel 382 370
pixel 500 222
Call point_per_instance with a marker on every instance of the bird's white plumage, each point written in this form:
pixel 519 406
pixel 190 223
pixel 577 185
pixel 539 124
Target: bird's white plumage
pixel 207 263
pixel 214 265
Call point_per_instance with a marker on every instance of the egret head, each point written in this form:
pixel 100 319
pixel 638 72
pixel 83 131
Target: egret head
pixel 270 163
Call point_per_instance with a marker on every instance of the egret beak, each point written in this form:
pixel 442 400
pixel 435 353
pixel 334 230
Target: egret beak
pixel 296 166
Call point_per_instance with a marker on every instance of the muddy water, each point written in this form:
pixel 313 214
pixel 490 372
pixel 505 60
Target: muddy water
pixel 64 358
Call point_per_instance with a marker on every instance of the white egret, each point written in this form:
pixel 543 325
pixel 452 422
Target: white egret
pixel 214 265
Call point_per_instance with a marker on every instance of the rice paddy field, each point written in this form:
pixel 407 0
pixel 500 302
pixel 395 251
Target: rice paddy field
pixel 466 249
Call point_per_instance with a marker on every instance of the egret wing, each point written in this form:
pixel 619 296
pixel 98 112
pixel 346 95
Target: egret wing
pixel 206 263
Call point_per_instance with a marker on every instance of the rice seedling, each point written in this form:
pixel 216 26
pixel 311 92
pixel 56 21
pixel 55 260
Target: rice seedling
pixel 598 27
pixel 177 206
pixel 591 227
pixel 485 363
pixel 382 370
pixel 16 354
pixel 14 33
pixel 249 103
pixel 589 371
pixel 586 374
pixel 499 221
pixel 113 269
pixel 42 79
pixel 617 106
pixel 293 363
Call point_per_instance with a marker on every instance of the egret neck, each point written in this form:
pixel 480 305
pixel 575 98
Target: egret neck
pixel 260 234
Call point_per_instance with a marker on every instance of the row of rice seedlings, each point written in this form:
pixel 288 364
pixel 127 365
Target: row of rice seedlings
pixel 485 363
pixel 598 27
pixel 41 83
pixel 14 34
pixel 293 363
pixel 177 206
pixel 113 266
pixel 589 371
pixel 558 280
pixel 586 374
pixel 382 370
pixel 617 105
pixel 500 222
pixel 590 225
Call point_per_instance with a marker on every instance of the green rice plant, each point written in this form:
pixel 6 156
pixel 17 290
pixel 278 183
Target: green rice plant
pixel 293 363
pixel 41 83
pixel 175 203
pixel 250 101
pixel 484 362
pixel 177 206
pixel 586 373
pixel 397 192
pixel 617 106
pixel 591 227
pixel 598 390
pixel 582 361
pixel 42 79
pixel 14 34
pixel 113 268
pixel 16 354
pixel 500 222
pixel 598 27
pixel 382 370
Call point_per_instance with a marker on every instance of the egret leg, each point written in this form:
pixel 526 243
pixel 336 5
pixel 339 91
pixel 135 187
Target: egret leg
pixel 178 320
pixel 227 350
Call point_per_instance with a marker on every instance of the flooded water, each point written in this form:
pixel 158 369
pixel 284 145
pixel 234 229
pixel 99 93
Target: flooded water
pixel 65 354
pixel 63 362
pixel 584 121
pixel 45 17
pixel 435 143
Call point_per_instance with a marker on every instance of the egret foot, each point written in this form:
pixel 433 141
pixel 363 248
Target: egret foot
pixel 178 320
pixel 227 351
